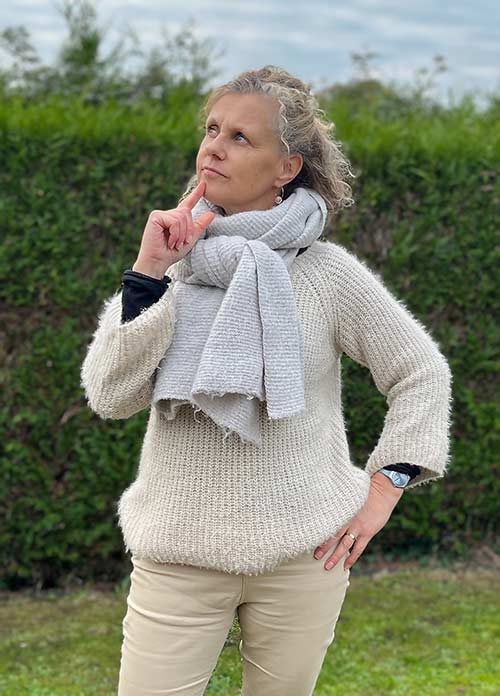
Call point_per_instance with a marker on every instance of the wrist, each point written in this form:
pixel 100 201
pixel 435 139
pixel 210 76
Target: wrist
pixel 381 481
pixel 150 268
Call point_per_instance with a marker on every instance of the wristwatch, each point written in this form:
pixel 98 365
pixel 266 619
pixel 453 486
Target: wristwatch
pixel 398 479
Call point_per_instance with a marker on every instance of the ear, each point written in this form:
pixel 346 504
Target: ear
pixel 290 168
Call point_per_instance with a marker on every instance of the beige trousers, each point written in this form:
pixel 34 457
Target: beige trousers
pixel 178 618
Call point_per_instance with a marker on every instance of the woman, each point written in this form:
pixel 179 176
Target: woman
pixel 246 499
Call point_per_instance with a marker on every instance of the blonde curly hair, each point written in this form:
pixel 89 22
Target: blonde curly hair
pixel 301 129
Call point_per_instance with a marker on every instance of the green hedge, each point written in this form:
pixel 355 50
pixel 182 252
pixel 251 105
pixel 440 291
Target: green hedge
pixel 76 186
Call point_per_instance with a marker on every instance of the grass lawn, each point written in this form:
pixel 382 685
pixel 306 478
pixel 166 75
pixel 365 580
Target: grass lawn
pixel 418 630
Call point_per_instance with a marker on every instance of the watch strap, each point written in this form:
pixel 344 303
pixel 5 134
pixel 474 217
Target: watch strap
pixel 404 468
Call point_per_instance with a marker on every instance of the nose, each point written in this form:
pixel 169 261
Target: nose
pixel 215 146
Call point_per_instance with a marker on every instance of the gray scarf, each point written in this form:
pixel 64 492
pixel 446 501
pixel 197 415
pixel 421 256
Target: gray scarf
pixel 237 338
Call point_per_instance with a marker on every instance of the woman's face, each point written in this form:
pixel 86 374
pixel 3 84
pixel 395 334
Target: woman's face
pixel 240 142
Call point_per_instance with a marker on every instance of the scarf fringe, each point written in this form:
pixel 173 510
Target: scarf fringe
pixel 226 430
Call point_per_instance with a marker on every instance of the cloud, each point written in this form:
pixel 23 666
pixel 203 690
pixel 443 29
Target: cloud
pixel 313 38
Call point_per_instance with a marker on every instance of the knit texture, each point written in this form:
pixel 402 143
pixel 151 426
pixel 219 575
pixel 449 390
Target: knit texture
pixel 201 500
pixel 238 342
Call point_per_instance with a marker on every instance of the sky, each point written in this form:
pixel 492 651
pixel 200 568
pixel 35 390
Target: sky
pixel 314 40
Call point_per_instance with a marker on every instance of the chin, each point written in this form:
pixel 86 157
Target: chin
pixel 213 198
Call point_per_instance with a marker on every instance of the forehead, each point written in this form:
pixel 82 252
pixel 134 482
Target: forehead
pixel 255 112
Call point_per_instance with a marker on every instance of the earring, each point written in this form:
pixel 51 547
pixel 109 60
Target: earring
pixel 279 199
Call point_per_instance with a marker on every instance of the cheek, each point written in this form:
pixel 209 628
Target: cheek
pixel 261 172
pixel 201 153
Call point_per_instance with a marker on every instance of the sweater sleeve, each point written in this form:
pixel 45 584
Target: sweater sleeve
pixel 118 371
pixel 378 331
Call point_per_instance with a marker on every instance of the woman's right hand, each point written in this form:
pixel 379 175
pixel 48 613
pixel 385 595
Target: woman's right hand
pixel 170 235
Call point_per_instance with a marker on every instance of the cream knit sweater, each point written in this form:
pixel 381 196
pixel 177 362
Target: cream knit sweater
pixel 199 500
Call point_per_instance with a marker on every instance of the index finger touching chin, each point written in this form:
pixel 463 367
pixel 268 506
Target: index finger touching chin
pixel 193 198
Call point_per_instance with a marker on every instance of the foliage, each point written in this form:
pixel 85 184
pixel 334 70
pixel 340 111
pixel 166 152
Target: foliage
pixel 78 179
pixel 82 69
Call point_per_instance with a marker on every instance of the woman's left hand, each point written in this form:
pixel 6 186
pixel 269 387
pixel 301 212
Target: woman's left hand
pixel 382 499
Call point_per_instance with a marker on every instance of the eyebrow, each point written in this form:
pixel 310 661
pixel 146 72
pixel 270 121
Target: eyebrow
pixel 234 128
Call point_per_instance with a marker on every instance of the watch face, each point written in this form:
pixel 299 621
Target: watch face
pixel 400 479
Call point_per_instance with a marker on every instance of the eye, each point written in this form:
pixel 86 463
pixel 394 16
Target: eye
pixel 238 133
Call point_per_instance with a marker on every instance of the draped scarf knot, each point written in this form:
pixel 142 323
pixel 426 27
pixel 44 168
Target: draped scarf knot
pixel 238 340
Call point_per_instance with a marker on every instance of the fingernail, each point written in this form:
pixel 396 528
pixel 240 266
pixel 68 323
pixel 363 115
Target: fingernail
pixel 318 554
pixel 329 565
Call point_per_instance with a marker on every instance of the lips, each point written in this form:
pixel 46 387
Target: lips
pixel 214 170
